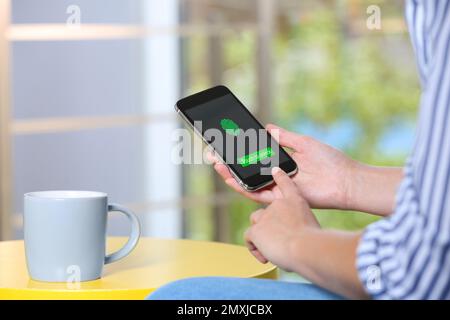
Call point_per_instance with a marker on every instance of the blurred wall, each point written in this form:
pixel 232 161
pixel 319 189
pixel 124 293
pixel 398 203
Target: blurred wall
pixel 86 78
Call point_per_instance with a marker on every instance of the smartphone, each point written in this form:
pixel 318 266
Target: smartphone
pixel 240 141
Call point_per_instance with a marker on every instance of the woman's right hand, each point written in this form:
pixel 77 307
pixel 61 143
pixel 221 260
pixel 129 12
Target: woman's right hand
pixel 323 172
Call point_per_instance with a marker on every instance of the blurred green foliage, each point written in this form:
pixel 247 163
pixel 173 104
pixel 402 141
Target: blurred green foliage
pixel 324 73
pixel 325 76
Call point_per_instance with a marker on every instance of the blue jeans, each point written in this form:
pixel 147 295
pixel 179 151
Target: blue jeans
pixel 222 288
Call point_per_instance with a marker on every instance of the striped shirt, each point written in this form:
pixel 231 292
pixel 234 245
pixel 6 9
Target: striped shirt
pixel 407 255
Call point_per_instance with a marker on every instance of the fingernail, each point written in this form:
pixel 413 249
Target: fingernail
pixel 275 170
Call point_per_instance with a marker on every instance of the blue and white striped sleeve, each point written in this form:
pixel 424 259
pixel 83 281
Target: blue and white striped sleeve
pixel 407 255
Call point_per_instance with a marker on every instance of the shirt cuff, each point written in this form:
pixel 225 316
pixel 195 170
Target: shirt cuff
pixel 368 263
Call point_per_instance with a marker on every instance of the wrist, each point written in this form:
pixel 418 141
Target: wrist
pixel 300 250
pixel 372 189
pixel 350 191
pixel 327 258
pixel 297 248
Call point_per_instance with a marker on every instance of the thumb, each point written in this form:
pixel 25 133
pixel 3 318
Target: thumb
pixel 283 137
pixel 284 182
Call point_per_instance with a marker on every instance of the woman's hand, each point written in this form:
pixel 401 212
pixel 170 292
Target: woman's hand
pixel 275 228
pixel 323 172
pixel 327 178
pixel 287 234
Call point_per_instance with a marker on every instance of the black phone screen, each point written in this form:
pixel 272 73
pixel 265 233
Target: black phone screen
pixel 238 138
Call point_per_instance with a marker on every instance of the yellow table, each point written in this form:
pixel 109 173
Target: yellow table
pixel 153 263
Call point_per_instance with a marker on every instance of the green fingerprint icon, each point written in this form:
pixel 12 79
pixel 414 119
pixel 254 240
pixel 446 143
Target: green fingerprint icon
pixel 230 127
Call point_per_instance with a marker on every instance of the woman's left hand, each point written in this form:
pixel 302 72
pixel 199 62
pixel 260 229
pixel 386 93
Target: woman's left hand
pixel 276 228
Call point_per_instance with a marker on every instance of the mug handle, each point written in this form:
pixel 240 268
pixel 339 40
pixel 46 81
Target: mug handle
pixel 134 235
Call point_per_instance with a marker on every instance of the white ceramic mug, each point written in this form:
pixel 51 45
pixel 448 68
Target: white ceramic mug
pixel 64 230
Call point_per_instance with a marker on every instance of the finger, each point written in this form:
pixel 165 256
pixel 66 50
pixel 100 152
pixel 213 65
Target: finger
pixel 284 137
pixel 264 196
pixel 223 171
pixel 258 255
pixel 248 242
pixel 248 239
pixel 256 216
pixel 284 182
pixel 211 157
pixel 252 248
